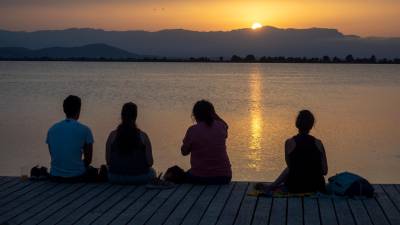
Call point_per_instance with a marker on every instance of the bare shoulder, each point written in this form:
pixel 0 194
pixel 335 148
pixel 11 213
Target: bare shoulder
pixel 290 145
pixel 144 135
pixel 319 144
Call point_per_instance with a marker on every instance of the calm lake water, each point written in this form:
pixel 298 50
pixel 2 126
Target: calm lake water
pixel 357 108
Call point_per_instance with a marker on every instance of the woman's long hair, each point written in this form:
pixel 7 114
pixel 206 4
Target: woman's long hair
pixel 128 135
pixel 203 111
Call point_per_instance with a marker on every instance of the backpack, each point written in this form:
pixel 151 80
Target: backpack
pixel 175 175
pixel 349 184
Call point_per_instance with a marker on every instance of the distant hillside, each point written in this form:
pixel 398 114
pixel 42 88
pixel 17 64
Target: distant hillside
pixel 93 51
pixel 266 41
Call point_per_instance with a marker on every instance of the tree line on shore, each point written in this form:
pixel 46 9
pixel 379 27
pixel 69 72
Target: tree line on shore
pixel 282 59
pixel 235 59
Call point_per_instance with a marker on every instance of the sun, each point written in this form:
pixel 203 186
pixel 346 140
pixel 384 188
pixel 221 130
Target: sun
pixel 256 25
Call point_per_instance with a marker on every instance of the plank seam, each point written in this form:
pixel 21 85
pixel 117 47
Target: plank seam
pixel 55 201
pixel 390 198
pixel 208 205
pixel 165 202
pixel 62 189
pixel 129 205
pixel 66 204
pixel 366 209
pixel 226 200
pixel 127 194
pixel 241 202
pixel 384 212
pixel 270 210
pixel 27 200
pixel 109 186
pixel 4 203
pixel 191 207
pixel 255 209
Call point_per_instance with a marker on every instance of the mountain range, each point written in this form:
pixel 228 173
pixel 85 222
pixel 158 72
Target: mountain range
pixel 92 51
pixel 178 43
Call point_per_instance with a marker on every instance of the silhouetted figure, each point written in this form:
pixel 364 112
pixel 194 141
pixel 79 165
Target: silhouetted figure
pixel 206 143
pixel 68 140
pixel 305 158
pixel 128 151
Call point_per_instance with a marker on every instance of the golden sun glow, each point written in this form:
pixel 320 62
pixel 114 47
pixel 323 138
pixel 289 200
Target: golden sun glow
pixel 256 25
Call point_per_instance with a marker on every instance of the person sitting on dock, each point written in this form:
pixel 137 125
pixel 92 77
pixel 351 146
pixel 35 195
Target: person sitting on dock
pixel 305 158
pixel 68 140
pixel 128 151
pixel 206 143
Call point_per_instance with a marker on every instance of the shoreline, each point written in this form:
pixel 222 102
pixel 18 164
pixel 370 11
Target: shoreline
pixel 196 61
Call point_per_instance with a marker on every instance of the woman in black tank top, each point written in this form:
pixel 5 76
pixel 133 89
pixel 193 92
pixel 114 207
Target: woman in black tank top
pixel 305 158
pixel 128 151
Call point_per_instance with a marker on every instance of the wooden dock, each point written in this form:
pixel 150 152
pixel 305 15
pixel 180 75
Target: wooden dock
pixel 43 202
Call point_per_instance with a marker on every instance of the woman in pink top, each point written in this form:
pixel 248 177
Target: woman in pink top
pixel 206 143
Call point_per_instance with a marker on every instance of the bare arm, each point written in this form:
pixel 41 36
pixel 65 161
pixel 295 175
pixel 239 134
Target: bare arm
pixel 87 154
pixel 185 150
pixel 289 147
pixel 149 151
pixel 49 149
pixel 323 157
pixel 109 142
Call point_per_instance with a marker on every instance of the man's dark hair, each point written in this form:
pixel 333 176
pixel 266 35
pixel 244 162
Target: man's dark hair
pixel 305 121
pixel 72 106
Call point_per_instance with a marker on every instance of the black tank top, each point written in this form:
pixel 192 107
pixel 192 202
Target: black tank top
pixel 305 166
pixel 128 163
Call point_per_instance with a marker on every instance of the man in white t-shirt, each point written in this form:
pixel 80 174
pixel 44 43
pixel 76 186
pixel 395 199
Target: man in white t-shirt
pixel 70 145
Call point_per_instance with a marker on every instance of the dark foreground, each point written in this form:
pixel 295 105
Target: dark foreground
pixel 26 202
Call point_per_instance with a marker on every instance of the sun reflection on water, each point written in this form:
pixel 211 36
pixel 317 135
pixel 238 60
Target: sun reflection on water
pixel 256 120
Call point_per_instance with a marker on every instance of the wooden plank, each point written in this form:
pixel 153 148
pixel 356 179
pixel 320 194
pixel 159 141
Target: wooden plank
pixel 12 182
pixel 232 206
pixel 89 205
pixel 278 211
pixel 375 212
pixel 19 186
pixel 359 212
pixel 311 211
pixel 105 207
pixel 144 212
pixel 214 209
pixel 59 204
pixel 56 214
pixel 26 198
pixel 22 192
pixel 295 211
pixel 123 206
pixel 262 211
pixel 199 208
pixel 246 211
pixel 343 212
pixel 36 204
pixel 327 212
pixel 393 194
pixel 5 180
pixel 177 216
pixel 387 205
pixel 398 187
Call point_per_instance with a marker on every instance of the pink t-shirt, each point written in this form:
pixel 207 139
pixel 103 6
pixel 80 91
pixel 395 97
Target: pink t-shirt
pixel 208 149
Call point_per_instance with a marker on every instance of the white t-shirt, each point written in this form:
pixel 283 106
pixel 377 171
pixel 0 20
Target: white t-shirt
pixel 66 140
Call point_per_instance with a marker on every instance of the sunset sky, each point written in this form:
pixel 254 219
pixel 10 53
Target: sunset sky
pixel 361 17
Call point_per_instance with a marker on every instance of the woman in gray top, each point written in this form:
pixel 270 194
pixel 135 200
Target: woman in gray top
pixel 128 151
